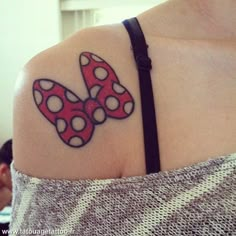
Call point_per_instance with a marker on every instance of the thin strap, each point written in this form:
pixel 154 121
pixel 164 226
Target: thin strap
pixel 144 66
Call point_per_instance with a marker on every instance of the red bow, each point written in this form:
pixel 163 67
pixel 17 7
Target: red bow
pixel 75 119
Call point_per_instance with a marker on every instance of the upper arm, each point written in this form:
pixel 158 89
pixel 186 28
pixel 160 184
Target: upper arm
pixel 75 113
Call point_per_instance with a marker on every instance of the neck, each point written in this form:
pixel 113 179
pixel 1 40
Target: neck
pixel 217 14
pixel 192 19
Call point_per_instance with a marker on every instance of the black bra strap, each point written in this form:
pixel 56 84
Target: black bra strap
pixel 144 66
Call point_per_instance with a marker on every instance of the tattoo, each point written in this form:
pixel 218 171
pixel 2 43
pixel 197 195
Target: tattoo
pixel 75 119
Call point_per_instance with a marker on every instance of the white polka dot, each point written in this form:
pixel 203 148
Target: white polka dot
pixel 118 88
pixel 76 141
pixel 38 97
pixel 78 123
pixel 84 60
pixel 128 107
pixel 96 58
pixel 94 90
pixel 61 125
pixel 100 73
pixel 99 115
pixel 112 103
pixel 45 84
pixel 54 104
pixel 71 97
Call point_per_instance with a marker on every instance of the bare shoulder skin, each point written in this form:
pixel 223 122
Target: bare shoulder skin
pixel 41 148
pixel 64 127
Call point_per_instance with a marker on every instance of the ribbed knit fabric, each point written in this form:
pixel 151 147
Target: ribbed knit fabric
pixel 197 200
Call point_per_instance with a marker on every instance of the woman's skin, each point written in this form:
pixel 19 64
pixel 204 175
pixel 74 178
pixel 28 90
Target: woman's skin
pixel 192 44
pixel 194 19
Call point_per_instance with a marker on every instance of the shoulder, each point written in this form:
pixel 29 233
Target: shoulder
pixel 56 97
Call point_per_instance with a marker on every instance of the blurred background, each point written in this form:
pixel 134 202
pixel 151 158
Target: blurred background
pixel 30 26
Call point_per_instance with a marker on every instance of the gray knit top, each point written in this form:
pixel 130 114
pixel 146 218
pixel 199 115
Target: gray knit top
pixel 196 200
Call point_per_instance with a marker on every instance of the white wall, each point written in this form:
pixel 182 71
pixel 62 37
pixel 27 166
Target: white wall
pixel 27 27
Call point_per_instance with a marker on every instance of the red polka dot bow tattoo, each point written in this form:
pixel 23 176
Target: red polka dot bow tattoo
pixel 75 119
